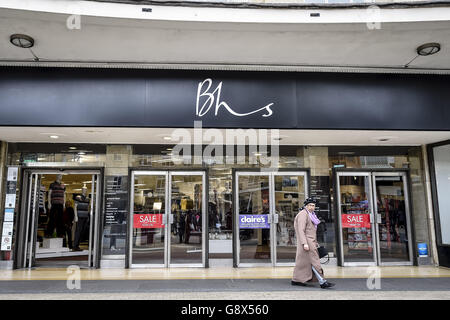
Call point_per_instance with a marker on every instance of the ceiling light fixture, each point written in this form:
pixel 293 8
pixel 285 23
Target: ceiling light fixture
pixel 21 40
pixel 428 49
pixel 93 131
pixel 54 137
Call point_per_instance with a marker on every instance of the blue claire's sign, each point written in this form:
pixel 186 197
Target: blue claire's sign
pixel 254 221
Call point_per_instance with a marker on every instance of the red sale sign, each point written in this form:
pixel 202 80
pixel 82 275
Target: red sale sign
pixel 355 221
pixel 148 221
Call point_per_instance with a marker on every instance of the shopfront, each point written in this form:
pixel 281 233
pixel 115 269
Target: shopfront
pixel 266 204
pixel 168 219
pixel 177 168
pixel 374 217
pixel 39 218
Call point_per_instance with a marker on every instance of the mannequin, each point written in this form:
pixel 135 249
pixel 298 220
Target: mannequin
pixel 82 204
pixel 56 205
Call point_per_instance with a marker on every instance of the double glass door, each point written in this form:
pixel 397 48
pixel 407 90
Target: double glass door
pixel 168 219
pixel 54 233
pixel 374 218
pixel 266 206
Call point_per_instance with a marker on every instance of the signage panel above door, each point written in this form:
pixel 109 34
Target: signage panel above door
pixel 148 98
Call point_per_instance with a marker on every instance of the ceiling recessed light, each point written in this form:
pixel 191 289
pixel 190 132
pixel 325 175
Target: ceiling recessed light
pixel 73 148
pixel 384 139
pixel 81 153
pixel 428 49
pixel 93 131
pixel 167 138
pixel 21 40
pixel 54 137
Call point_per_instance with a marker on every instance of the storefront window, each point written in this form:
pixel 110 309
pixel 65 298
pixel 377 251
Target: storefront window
pixel 320 162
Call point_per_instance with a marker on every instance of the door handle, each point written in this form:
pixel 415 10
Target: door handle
pixel 275 218
pixel 378 218
pixel 269 218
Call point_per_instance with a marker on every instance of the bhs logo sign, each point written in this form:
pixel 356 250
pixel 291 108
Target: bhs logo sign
pixel 206 99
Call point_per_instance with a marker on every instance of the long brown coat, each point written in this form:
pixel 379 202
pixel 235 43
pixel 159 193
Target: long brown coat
pixel 304 260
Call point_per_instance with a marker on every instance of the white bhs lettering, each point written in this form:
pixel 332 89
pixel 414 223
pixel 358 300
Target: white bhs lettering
pixel 211 97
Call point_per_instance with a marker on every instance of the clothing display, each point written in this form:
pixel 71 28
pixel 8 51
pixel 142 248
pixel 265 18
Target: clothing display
pixel 82 210
pixel 82 203
pixel 55 220
pixel 42 210
pixel 82 224
pixel 187 204
pixel 41 199
pixel 58 190
pixel 68 217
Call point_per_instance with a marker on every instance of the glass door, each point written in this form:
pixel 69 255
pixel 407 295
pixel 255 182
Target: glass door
pixel 59 218
pixel 393 219
pixel 32 205
pixel 148 207
pixel 187 219
pixel 169 219
pixel 266 206
pixel 374 218
pixel 290 190
pixel 253 218
pixel 355 215
pixel 94 222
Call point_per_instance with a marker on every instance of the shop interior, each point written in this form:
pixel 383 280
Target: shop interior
pixel 393 229
pixel 289 197
pixel 186 231
pixel 63 224
pixel 392 225
pixel 357 241
pixel 254 198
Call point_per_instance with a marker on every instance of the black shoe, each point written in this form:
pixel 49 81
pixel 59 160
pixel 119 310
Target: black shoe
pixel 327 284
pixel 295 283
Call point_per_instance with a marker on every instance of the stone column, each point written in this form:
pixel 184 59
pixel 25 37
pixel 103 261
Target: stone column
pixel 429 207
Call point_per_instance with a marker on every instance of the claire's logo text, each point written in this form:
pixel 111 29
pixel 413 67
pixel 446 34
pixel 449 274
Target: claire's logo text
pixel 205 96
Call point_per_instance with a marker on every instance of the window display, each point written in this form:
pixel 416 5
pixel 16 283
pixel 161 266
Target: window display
pixel 63 219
